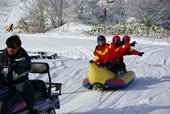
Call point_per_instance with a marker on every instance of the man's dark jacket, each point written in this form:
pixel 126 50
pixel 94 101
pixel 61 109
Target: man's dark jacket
pixel 18 72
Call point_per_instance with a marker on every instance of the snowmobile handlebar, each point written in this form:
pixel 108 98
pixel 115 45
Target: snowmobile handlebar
pixel 12 64
pixel 5 66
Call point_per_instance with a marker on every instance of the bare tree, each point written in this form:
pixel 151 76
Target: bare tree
pixel 55 12
pixel 87 11
pixel 6 2
pixel 148 11
pixel 43 14
pixel 80 8
pixel 35 15
pixel 118 7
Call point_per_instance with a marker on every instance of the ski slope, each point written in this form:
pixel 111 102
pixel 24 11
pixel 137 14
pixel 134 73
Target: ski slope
pixel 148 94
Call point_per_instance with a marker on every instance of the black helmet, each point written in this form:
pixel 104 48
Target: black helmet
pixel 101 38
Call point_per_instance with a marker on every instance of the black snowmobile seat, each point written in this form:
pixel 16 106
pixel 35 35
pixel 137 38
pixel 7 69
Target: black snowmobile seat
pixel 43 68
pixel 40 89
pixel 37 67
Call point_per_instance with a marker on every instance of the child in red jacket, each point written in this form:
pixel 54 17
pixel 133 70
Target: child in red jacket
pixel 131 51
pixel 11 28
pixel 101 52
pixel 126 39
pixel 116 52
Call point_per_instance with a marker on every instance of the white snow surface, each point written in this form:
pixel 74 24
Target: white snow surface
pixel 148 94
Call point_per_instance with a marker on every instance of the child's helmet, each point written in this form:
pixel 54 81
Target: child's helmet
pixel 101 38
pixel 126 39
pixel 116 40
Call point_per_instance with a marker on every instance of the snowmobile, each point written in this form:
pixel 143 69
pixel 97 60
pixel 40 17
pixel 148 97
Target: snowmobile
pixel 103 79
pixel 42 55
pixel 46 95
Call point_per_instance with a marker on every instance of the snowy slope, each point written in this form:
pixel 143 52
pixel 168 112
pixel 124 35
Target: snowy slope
pixel 148 94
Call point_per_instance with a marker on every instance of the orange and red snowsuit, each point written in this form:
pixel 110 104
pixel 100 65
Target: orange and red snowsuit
pixel 107 52
pixel 115 62
pixel 101 54
pixel 132 52
pixel 11 26
pixel 118 52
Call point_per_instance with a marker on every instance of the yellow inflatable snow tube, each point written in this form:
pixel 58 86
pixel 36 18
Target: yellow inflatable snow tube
pixel 96 74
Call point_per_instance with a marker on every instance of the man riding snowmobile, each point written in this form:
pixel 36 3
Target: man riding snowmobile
pixel 16 73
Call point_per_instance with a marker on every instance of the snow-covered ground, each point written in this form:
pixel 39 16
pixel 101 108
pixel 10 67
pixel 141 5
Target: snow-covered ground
pixel 148 94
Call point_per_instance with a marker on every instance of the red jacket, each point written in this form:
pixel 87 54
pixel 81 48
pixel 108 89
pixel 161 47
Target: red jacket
pixel 101 54
pixel 11 26
pixel 132 52
pixel 117 53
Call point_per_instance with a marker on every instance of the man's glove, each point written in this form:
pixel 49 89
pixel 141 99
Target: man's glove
pixel 133 43
pixel 140 54
pixel 91 61
pixel 100 65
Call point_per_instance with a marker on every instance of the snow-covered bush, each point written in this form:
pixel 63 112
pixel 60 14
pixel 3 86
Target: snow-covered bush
pixel 43 15
pixel 131 28
pixel 23 25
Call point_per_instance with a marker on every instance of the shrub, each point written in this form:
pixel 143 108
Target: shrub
pixel 132 28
